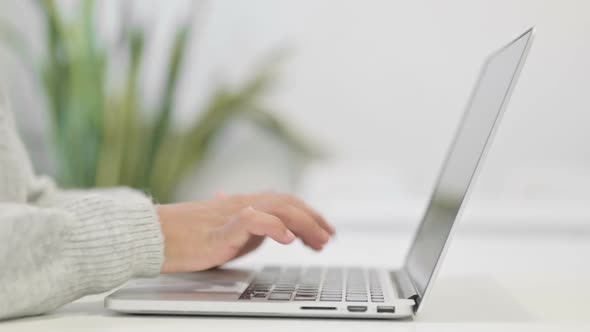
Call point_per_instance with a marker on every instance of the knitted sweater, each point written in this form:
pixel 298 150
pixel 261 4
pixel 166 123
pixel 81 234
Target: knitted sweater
pixel 56 245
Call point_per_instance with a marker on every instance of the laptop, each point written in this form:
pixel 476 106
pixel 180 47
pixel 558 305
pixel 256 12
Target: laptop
pixel 349 292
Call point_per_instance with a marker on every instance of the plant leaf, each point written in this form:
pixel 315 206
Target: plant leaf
pixel 133 147
pixel 55 70
pixel 162 121
pixel 278 127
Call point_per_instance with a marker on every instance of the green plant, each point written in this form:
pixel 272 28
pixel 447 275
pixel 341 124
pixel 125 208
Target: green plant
pixel 104 136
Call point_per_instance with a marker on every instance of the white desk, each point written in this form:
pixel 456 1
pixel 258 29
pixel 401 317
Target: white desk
pixel 490 281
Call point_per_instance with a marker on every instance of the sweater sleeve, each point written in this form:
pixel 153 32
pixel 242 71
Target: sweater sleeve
pixel 84 243
pixel 59 245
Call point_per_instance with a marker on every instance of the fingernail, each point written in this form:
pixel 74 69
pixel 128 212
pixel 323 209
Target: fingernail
pixel 332 230
pixel 290 235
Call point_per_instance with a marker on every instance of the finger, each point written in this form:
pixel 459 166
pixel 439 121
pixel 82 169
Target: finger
pixel 253 222
pixel 314 214
pixel 303 225
pixel 219 195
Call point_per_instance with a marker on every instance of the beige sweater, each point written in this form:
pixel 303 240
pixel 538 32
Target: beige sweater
pixel 57 246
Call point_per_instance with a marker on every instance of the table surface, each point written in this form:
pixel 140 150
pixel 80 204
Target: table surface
pixel 491 280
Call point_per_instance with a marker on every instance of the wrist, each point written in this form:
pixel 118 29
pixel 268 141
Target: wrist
pixel 165 214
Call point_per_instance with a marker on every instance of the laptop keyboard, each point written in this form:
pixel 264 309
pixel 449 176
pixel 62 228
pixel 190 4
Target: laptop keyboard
pixel 274 283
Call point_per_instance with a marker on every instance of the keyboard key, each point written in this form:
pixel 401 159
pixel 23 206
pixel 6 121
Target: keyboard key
pixel 280 296
pixel 306 292
pixel 283 290
pixel 304 299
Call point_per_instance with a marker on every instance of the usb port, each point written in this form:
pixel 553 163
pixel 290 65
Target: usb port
pixel 357 308
pixel 388 309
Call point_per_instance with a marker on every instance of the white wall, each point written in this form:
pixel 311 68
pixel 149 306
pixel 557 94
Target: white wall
pixel 388 80
pixel 384 83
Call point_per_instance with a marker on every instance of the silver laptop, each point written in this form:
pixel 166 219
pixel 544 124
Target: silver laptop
pixel 291 291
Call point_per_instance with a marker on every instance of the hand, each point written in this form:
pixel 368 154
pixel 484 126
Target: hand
pixel 203 235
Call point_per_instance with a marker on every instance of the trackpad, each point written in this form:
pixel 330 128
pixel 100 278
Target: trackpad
pixel 220 284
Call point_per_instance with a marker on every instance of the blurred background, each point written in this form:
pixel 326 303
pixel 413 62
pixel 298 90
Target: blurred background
pixel 351 104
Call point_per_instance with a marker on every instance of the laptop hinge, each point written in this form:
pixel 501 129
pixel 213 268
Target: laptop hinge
pixel 405 286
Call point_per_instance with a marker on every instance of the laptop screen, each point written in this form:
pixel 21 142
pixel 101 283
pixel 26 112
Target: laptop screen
pixel 481 116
